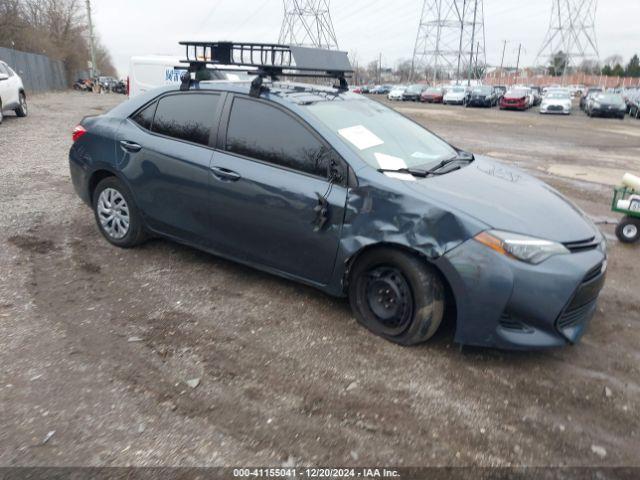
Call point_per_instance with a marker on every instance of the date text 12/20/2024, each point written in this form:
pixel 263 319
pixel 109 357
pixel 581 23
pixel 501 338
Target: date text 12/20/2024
pixel 364 473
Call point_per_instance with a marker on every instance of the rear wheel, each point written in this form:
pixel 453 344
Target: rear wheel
pixel 116 214
pixel 22 110
pixel 397 296
pixel 628 230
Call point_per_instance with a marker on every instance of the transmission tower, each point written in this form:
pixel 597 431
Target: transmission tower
pixel 572 30
pixel 450 41
pixel 307 23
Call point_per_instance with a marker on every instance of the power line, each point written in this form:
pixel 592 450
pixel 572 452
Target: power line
pixel 450 39
pixel 308 23
pixel 572 31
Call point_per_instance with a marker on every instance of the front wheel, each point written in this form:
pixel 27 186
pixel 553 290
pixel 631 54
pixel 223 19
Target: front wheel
pixel 628 230
pixel 22 110
pixel 397 296
pixel 116 214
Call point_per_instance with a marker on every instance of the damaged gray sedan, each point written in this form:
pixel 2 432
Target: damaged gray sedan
pixel 339 192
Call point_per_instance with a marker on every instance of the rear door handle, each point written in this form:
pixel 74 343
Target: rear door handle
pixel 130 146
pixel 225 174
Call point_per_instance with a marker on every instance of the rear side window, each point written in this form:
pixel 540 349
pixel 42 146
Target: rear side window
pixel 190 117
pixel 144 117
pixel 266 133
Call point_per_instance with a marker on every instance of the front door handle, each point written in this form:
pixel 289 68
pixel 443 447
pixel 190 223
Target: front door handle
pixel 130 146
pixel 225 174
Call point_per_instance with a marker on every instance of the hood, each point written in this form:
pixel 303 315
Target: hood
pixel 507 199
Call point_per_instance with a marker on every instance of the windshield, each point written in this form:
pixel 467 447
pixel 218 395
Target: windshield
pixel 517 93
pixel 482 90
pixel 559 95
pixel 380 136
pixel 457 90
pixel 610 98
pixel 415 88
pixel 435 91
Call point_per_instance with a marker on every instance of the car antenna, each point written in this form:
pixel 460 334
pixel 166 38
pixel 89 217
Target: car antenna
pixel 265 60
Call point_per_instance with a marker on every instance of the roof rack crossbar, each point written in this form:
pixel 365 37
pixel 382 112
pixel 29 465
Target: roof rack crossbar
pixel 268 60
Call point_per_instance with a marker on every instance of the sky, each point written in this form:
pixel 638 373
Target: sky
pixel 365 28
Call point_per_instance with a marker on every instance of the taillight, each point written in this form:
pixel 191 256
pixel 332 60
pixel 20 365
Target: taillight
pixel 78 132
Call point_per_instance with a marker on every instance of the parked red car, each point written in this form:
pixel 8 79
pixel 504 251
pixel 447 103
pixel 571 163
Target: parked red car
pixel 432 95
pixel 516 100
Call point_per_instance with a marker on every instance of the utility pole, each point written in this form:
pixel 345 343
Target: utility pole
pixel 92 44
pixel 504 49
pixel 379 68
pixel 473 42
pixel 518 63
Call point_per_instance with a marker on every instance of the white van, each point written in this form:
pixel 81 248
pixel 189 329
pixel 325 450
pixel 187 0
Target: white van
pixel 152 71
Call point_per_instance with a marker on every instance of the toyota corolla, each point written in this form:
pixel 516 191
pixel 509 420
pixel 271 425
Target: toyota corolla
pixel 339 192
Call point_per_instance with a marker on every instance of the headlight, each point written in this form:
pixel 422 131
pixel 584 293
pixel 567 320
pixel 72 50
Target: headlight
pixel 596 104
pixel 524 248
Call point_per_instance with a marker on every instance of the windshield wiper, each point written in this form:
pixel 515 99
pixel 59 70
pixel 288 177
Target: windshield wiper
pixel 434 171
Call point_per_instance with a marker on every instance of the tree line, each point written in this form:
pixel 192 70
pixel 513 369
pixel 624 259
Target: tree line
pixel 56 28
pixel 613 66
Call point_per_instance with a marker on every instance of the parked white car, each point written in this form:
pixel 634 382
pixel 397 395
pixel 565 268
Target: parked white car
pixel 456 95
pixel 396 92
pixel 12 94
pixel 556 101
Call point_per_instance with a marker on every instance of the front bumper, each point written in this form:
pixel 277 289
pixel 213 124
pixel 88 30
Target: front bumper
pixel 505 303
pixel 479 102
pixel 511 105
pixel 605 112
pixel 555 109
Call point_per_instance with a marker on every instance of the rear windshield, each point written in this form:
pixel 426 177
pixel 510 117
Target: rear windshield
pixel 380 136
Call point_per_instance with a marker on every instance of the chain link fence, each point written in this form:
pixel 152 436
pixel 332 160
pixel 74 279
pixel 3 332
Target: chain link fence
pixel 39 73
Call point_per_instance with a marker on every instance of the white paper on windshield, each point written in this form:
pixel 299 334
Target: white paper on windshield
pixel 389 162
pixel 361 137
pixel 421 156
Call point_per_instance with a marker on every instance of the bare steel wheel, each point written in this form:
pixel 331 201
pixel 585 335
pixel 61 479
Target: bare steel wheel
pixel 116 213
pixel 396 295
pixel 113 212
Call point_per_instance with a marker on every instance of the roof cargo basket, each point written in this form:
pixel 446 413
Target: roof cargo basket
pixel 267 60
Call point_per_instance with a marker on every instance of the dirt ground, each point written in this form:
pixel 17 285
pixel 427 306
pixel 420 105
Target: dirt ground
pixel 98 346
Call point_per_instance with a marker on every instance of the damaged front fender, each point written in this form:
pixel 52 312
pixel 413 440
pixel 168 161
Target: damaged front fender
pixel 379 215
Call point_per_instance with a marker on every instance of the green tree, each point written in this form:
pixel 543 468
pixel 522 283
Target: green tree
pixel 633 68
pixel 559 63
pixel 607 71
pixel 618 71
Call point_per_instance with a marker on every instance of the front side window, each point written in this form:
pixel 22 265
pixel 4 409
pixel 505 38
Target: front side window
pixel 266 133
pixel 188 116
pixel 379 135
pixel 3 69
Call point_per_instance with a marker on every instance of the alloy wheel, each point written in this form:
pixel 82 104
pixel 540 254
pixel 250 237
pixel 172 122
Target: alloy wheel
pixel 113 213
